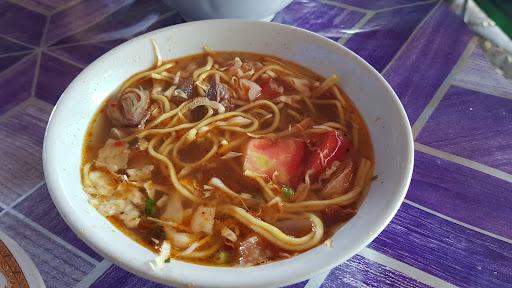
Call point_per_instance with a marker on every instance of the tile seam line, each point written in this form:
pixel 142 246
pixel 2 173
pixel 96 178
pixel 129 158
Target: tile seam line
pixel 405 5
pixel 21 61
pixel 23 197
pixel 52 47
pixel 28 7
pixel 463 162
pixel 345 6
pixel 82 28
pixel 18 41
pixel 94 274
pixel 72 249
pixel 404 268
pixel 53 54
pixel 64 7
pixel 317 280
pixel 406 43
pixel 31 100
pixel 458 222
pixel 443 88
pixel 343 39
pixel 16 53
pixel 463 86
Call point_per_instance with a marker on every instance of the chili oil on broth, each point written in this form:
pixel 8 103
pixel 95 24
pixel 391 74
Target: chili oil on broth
pixel 151 233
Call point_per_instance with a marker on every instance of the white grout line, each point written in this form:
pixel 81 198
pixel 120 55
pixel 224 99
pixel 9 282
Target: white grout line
pixel 345 6
pixel 16 53
pixel 64 7
pixel 410 37
pixel 21 61
pixel 36 74
pixel 404 268
pixel 406 5
pixel 317 280
pixel 21 198
pixel 450 219
pixel 64 59
pixel 477 89
pixel 34 9
pixel 464 162
pixel 355 28
pixel 438 96
pixel 52 236
pixel 18 41
pixel 164 16
pixel 90 278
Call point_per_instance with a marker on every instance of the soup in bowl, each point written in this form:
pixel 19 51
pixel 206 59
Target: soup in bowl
pixel 219 161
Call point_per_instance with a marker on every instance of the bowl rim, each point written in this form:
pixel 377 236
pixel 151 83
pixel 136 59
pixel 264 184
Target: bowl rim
pixel 55 189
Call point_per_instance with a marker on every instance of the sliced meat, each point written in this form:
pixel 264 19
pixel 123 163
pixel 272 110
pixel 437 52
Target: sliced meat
pixel 340 182
pixel 114 155
pixel 130 108
pixel 219 92
pixel 252 252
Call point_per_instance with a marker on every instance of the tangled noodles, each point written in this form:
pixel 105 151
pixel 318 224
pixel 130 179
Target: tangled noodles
pixel 227 158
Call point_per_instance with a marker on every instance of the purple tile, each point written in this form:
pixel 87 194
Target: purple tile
pixel 8 61
pixel 58 266
pixel 446 250
pixel 380 4
pixel 22 75
pixel 21 24
pixel 383 35
pixel 117 277
pixel 22 141
pixel 440 42
pixel 44 6
pixel 457 191
pixel 126 23
pixel 7 47
pixel 472 125
pixel 324 19
pixel 85 53
pixel 39 207
pixel 54 76
pixel 359 271
pixel 479 74
pixel 80 16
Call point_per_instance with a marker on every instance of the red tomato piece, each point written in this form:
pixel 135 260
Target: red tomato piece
pixel 270 89
pixel 279 159
pixel 333 146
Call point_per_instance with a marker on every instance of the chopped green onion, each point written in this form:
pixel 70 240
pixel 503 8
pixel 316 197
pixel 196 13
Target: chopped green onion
pixel 287 191
pixel 222 257
pixel 150 208
pixel 167 260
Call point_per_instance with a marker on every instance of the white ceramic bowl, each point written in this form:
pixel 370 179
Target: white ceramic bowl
pixel 219 9
pixel 378 104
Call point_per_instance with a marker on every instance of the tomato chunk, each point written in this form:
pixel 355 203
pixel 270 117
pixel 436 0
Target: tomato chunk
pixel 270 89
pixel 279 159
pixel 333 146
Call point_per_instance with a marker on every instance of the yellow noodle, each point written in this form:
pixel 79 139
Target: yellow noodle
pixel 210 72
pixel 273 234
pixel 270 67
pixel 163 100
pixel 142 75
pixel 318 205
pixel 208 66
pixel 340 98
pixel 274 109
pixel 328 83
pixel 172 173
pixel 267 192
pixel 203 253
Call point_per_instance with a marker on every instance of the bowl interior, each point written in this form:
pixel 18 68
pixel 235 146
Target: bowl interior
pixel 379 106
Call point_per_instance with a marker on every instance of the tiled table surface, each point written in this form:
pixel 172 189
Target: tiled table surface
pixel 455 227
